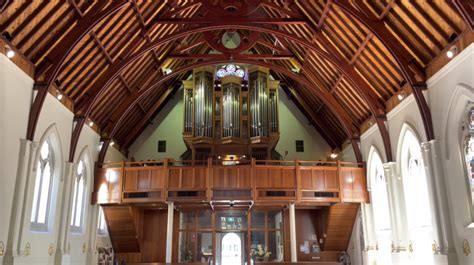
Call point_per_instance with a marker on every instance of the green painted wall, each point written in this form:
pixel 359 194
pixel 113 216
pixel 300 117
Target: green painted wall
pixel 168 126
pixel 294 126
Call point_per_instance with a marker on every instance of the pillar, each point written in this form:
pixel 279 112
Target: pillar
pixel 293 233
pixel 438 195
pixel 169 232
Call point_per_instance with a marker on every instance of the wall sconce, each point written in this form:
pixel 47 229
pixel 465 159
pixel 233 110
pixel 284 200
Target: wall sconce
pixel 51 249
pixel 333 155
pixel 452 52
pixel 27 249
pixel 2 248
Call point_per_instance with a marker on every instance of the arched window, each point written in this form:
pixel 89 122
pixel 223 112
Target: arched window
pixel 78 203
pixel 417 200
pixel 415 185
pixel 378 189
pixel 43 186
pixel 469 152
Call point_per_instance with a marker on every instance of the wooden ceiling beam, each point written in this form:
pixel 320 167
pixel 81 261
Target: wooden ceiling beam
pixel 386 9
pixel 55 59
pixel 242 20
pixel 466 9
pixel 101 47
pixel 324 15
pixel 231 57
pixel 361 48
pixel 76 8
pixel 402 57
pixel 138 128
pixel 332 104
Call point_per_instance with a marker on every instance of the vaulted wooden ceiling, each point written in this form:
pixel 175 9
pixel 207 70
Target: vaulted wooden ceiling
pixel 341 62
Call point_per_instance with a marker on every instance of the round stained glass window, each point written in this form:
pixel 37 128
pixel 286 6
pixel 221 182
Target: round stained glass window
pixel 240 73
pixel 230 68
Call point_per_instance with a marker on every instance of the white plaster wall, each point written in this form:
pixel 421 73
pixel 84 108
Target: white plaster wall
pixel 449 92
pixel 15 102
pixel 15 97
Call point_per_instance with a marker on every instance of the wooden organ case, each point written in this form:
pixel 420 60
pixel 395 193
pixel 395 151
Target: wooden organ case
pixel 230 110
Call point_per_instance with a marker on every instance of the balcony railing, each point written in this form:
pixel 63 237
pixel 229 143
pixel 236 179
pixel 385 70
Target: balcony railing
pixel 259 181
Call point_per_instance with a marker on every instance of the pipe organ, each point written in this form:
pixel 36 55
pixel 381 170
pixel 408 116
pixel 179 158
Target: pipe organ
pixel 230 110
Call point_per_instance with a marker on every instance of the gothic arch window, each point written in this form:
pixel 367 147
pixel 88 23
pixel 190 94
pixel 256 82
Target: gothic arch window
pixel 420 230
pixel 43 187
pixel 79 196
pixel 469 152
pixel 415 184
pixel 378 188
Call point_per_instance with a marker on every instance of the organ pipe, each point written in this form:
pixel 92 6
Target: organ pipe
pixel 203 104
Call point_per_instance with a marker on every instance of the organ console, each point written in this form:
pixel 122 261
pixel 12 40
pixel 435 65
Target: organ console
pixel 230 110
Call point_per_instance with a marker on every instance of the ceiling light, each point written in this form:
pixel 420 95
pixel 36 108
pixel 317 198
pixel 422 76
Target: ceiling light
pixel 333 155
pixel 452 52
pixel 60 96
pixel 91 123
pixel 400 96
pixel 167 71
pixel 112 143
pixel 10 53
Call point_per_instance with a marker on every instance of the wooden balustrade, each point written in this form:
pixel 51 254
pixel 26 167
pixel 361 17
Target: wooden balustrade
pixel 261 181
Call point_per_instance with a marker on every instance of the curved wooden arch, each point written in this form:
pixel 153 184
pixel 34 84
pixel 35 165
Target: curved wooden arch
pixel 53 62
pixel 333 105
pixel 85 107
pixel 401 56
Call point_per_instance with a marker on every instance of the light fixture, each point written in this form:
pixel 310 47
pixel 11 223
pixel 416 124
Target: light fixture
pixel 91 123
pixel 333 155
pixel 59 96
pixel 10 52
pixel 452 52
pixel 400 96
pixel 167 71
pixel 112 143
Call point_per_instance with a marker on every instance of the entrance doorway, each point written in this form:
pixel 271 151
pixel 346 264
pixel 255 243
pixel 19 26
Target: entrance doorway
pixel 231 249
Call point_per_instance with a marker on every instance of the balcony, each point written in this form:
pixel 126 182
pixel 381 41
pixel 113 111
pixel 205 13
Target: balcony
pixel 246 182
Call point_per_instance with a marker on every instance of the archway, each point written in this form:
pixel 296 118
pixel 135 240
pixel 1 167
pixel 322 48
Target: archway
pixel 231 251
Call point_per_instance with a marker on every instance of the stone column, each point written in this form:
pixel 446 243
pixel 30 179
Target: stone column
pixel 169 232
pixel 13 246
pixel 293 233
pixel 396 203
pixel 438 195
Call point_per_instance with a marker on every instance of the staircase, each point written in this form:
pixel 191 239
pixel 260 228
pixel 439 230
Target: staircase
pixel 341 218
pixel 122 228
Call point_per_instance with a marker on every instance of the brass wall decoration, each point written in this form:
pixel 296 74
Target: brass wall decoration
pixel 27 249
pixel 434 247
pixel 83 247
pixel 51 249
pixel 2 248
pixel 466 248
pixel 410 246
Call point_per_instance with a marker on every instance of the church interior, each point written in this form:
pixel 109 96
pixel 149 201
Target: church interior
pixel 237 132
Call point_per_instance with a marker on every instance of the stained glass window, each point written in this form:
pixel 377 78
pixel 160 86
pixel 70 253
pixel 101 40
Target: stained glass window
pixel 469 152
pixel 230 69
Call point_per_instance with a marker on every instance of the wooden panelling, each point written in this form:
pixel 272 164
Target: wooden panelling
pixel 298 181
pixel 231 177
pixel 107 186
pixel 339 226
pixel 353 185
pixel 148 179
pixel 122 228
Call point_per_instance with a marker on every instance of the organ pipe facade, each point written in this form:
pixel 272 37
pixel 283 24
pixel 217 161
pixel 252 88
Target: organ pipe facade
pixel 231 109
